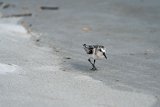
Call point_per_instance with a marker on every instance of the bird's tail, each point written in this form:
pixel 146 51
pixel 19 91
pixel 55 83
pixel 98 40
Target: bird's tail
pixel 84 45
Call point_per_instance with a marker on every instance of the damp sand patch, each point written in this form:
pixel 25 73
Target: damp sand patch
pixel 8 68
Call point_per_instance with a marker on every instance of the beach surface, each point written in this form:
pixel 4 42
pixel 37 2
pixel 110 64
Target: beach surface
pixel 42 61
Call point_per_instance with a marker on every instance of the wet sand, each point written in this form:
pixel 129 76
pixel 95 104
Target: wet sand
pixel 51 67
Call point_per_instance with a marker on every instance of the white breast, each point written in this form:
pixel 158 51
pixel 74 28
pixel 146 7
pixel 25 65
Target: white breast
pixel 97 55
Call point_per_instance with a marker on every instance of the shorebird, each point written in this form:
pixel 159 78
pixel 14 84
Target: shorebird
pixel 95 52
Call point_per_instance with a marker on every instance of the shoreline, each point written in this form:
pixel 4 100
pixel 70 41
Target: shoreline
pixel 56 70
pixel 65 88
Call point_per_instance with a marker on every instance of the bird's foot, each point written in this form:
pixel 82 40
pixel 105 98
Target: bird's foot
pixel 94 69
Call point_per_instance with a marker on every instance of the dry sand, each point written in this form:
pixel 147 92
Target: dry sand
pixel 42 63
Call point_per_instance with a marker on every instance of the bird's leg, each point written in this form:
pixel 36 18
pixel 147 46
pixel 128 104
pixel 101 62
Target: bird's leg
pixel 91 63
pixel 94 68
pixel 94 65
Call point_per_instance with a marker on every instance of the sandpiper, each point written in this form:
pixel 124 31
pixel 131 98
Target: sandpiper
pixel 95 52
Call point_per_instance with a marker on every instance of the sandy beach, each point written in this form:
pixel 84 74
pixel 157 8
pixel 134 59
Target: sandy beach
pixel 42 62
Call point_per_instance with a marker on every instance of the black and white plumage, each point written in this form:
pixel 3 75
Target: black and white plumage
pixel 95 52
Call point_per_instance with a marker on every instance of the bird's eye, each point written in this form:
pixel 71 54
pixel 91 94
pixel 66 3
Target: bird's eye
pixel 100 50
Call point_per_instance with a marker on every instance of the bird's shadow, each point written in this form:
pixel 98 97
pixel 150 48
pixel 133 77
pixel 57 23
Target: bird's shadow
pixel 82 67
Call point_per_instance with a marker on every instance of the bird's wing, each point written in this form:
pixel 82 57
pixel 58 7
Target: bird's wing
pixel 89 49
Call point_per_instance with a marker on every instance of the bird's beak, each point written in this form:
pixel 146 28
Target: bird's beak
pixel 105 55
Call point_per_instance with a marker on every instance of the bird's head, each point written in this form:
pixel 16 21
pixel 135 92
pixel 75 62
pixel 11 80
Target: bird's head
pixel 103 50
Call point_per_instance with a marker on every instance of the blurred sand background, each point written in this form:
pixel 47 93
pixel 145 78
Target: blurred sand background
pixel 42 62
